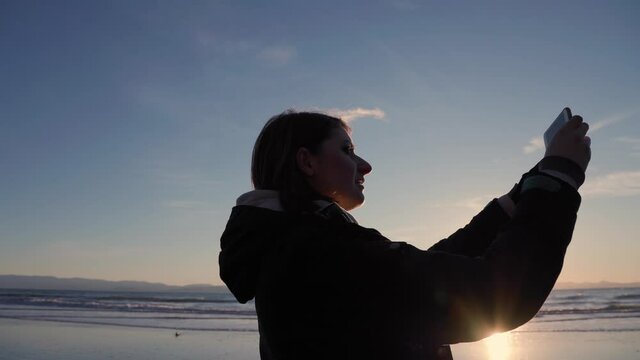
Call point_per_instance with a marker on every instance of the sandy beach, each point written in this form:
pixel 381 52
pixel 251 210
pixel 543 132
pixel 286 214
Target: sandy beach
pixel 44 340
pixel 553 346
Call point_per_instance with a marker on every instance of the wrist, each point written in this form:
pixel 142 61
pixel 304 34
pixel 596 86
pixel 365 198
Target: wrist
pixel 563 168
pixel 562 176
pixel 541 181
pixel 543 178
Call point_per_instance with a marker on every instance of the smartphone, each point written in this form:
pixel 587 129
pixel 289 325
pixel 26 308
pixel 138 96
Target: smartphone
pixel 562 119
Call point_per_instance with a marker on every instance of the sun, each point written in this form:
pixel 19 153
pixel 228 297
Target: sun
pixel 498 346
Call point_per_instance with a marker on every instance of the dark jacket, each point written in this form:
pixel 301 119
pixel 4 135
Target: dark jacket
pixel 328 289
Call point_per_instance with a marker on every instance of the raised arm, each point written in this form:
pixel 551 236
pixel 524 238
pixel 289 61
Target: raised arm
pixel 444 298
pixel 417 296
pixel 566 159
pixel 475 237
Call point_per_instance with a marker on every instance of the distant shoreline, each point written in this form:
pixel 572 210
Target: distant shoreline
pixel 27 282
pixel 595 285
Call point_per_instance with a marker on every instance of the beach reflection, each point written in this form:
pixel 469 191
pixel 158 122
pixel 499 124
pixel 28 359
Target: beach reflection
pixel 498 346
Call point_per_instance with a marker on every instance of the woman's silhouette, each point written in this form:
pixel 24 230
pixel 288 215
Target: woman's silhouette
pixel 327 288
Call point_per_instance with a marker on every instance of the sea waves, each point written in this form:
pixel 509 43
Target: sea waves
pixel 128 302
pixel 593 310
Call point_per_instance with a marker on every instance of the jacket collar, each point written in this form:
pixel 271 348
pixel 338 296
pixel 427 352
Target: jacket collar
pixel 270 199
pixel 266 199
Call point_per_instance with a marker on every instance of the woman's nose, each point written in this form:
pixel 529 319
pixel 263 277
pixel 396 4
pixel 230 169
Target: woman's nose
pixel 363 166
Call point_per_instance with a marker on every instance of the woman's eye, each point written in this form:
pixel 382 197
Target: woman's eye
pixel 349 149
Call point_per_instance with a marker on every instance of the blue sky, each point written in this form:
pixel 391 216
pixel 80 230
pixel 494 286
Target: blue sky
pixel 126 128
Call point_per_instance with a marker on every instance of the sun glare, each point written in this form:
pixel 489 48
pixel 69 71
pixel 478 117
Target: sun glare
pixel 498 346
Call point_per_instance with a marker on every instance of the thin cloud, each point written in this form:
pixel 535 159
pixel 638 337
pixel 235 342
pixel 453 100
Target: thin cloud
pixel 349 115
pixel 613 119
pixel 408 233
pixel 277 55
pixel 535 144
pixel 475 203
pixel 618 184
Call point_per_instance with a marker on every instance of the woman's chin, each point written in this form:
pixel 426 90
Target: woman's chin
pixel 352 203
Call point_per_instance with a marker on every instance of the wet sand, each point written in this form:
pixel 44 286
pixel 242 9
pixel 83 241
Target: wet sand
pixel 553 346
pixel 42 340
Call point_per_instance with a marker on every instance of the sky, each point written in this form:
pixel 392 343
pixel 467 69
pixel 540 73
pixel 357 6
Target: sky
pixel 126 127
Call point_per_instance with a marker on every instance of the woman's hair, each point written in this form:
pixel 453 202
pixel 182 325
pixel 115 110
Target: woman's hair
pixel 274 166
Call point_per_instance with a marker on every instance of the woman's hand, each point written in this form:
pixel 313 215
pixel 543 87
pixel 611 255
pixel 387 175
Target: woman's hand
pixel 572 143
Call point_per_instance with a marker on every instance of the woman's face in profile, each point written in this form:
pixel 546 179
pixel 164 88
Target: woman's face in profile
pixel 338 173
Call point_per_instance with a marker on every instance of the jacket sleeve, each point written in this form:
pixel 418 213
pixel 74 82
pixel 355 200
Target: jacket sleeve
pixel 444 298
pixel 475 237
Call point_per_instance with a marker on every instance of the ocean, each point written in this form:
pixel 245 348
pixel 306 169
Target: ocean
pixel 589 310
pixel 159 310
pixel 596 311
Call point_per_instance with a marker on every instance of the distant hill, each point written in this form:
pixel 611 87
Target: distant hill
pixel 54 283
pixel 595 285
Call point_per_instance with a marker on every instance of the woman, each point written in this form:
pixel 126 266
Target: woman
pixel 328 288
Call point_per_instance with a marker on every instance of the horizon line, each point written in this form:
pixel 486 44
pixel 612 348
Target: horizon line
pixel 559 285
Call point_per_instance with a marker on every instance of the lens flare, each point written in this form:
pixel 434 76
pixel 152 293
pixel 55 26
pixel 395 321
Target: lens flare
pixel 498 346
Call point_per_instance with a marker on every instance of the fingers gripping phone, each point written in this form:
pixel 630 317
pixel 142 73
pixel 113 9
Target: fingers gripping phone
pixel 562 119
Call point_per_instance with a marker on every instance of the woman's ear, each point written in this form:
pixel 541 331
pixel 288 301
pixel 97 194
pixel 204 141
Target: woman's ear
pixel 305 161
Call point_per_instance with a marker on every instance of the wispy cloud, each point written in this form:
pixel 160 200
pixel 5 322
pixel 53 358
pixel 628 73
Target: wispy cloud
pixel 409 233
pixel 610 120
pixel 349 115
pixel 277 55
pixel 536 144
pixel 474 203
pixel 617 184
